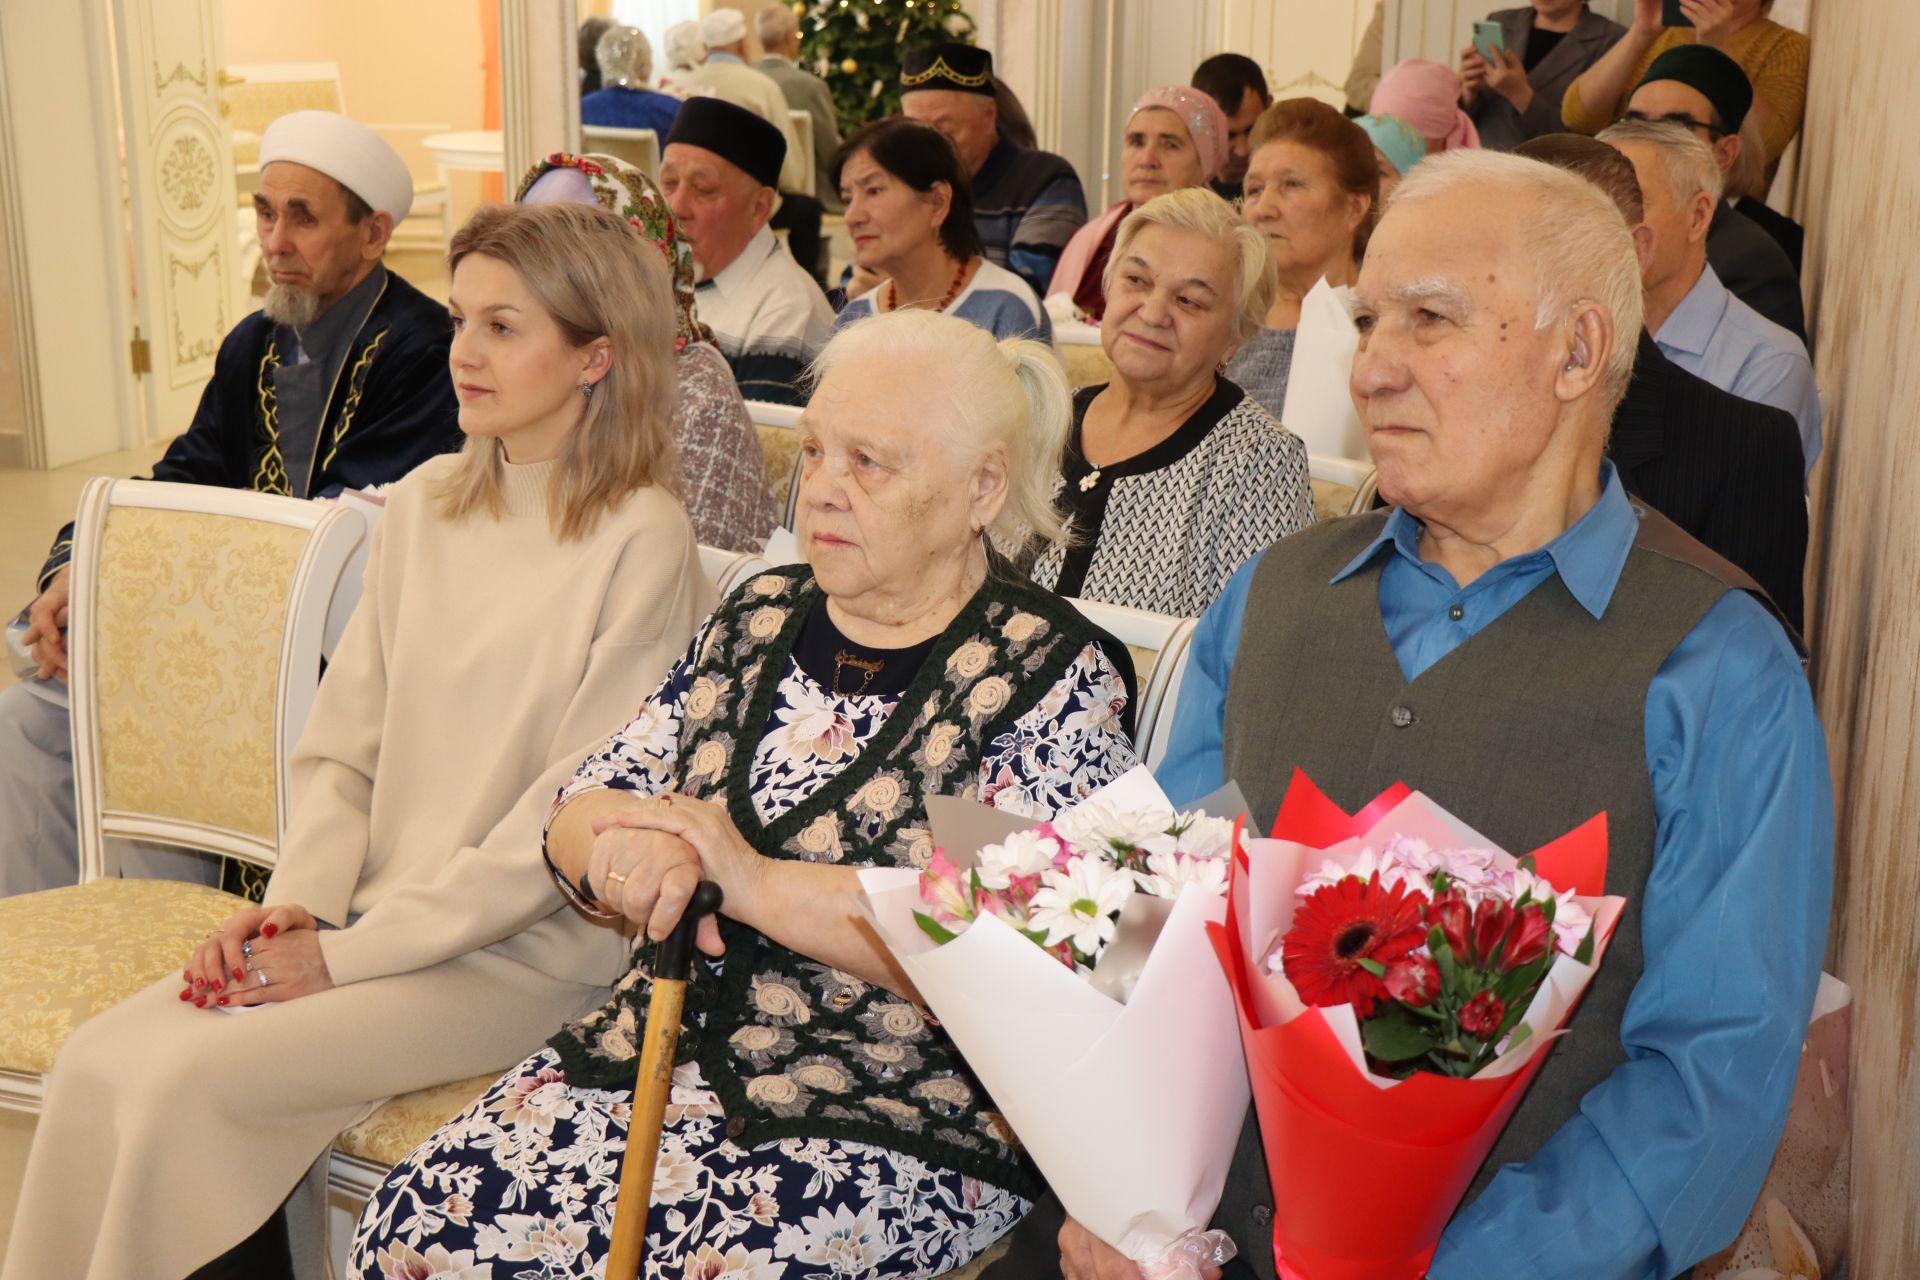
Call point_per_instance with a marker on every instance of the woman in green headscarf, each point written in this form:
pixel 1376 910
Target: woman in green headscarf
pixel 723 478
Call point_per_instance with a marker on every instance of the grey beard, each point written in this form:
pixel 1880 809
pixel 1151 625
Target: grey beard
pixel 284 304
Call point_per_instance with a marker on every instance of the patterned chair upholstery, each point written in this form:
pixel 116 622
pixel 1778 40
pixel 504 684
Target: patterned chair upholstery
pixel 1341 486
pixel 1086 366
pixel 779 442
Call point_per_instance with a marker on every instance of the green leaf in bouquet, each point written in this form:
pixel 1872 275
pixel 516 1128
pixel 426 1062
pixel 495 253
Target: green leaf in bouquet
pixel 1585 952
pixel 1517 988
pixel 1372 966
pixel 1527 865
pixel 1395 1036
pixel 933 928
pixel 1521 1034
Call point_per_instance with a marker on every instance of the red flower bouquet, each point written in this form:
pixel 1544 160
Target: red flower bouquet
pixel 1396 980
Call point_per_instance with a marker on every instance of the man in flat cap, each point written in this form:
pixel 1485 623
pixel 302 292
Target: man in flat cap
pixel 339 381
pixel 1705 92
pixel 1026 203
pixel 1696 321
pixel 769 317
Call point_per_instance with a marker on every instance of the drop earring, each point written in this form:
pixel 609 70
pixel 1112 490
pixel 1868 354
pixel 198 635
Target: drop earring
pixel 586 389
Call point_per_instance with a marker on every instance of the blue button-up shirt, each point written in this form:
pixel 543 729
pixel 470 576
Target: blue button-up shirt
pixel 1662 1163
pixel 1714 335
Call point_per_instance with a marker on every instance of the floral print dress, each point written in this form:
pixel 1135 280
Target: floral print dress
pixel 521 1185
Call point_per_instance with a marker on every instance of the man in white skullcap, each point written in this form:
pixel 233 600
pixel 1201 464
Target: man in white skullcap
pixel 338 382
pixel 725 74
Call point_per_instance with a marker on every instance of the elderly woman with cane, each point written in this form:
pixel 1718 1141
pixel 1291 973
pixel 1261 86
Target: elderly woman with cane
pixel 818 1120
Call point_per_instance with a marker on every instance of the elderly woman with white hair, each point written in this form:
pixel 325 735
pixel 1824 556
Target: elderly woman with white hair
pixel 817 1117
pixel 1173 476
pixel 685 49
pixel 626 99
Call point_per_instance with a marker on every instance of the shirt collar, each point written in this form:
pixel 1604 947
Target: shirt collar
pixel 1588 556
pixel 735 274
pixel 1691 326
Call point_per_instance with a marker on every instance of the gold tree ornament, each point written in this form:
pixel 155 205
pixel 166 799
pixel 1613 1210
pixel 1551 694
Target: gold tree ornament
pixel 850 67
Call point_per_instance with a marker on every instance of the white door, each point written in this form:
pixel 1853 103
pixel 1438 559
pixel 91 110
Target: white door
pixel 179 162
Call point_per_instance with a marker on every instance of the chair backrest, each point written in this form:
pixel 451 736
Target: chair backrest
pixel 195 636
pixel 728 569
pixel 1338 484
pixel 780 444
pixel 259 93
pixel 1158 644
pixel 638 147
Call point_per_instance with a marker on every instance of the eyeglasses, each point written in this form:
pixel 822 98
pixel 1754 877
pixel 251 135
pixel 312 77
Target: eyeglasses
pixel 1680 118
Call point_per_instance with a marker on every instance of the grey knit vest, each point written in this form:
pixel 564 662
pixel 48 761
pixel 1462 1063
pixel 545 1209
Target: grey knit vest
pixel 1523 732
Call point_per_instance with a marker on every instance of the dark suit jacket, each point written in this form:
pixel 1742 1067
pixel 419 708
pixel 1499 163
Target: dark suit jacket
pixel 1756 269
pixel 1787 233
pixel 1501 127
pixel 1726 470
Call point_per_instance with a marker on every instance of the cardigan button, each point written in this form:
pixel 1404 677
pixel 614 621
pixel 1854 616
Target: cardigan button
pixel 736 1127
pixel 1402 716
pixel 1262 1215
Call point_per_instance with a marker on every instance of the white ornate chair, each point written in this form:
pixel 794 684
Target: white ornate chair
pixel 728 569
pixel 1159 646
pixel 780 442
pixel 638 147
pixel 195 640
pixel 1341 486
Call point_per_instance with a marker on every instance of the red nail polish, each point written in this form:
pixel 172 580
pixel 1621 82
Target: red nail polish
pixel 187 993
pixel 218 985
pixel 239 975
pixel 267 931
pixel 221 1000
pixel 201 1003
pixel 199 983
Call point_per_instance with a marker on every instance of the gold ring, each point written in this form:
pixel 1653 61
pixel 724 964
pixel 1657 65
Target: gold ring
pixel 611 876
pixel 665 798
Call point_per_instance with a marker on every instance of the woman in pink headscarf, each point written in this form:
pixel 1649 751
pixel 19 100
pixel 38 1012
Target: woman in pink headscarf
pixel 1427 96
pixel 1175 137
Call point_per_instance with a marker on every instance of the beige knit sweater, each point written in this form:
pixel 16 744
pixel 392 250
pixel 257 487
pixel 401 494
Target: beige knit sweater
pixel 483 654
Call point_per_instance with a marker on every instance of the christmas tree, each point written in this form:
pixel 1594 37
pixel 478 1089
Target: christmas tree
pixel 856 47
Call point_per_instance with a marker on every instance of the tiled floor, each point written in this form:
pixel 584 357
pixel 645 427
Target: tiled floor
pixel 33 506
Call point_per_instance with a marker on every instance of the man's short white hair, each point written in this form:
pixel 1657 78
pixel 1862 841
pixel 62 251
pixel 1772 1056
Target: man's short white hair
pixel 625 57
pixel 773 25
pixel 1690 164
pixel 1580 244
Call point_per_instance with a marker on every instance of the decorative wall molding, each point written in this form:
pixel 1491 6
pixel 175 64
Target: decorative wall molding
pixel 26 446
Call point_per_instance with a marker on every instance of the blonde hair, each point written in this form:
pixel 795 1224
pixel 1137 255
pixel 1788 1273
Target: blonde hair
pixel 1198 209
pixel 1582 250
pixel 1010 392
pixel 596 278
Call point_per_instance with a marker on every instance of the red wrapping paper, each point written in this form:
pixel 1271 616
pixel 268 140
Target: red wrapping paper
pixel 1365 1179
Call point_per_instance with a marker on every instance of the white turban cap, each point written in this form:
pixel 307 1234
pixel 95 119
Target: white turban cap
pixel 345 150
pixel 723 27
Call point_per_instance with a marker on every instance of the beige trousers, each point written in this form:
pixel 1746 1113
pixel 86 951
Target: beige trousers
pixel 170 1133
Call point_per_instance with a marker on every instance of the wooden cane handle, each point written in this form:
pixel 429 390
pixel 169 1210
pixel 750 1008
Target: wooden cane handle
pixel 650 1093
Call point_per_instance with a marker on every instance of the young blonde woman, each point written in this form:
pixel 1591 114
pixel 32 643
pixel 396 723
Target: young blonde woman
pixel 522 596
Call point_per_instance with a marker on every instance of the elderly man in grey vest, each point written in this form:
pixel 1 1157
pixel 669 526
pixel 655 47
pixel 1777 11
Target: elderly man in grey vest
pixel 1521 640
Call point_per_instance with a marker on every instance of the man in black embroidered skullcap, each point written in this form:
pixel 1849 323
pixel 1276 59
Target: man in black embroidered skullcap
pixel 1026 203
pixel 719 171
pixel 1704 90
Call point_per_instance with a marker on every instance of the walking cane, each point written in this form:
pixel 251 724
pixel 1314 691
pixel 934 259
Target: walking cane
pixel 672 967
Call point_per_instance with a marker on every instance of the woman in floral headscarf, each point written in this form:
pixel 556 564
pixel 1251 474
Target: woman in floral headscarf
pixel 723 477
pixel 1175 137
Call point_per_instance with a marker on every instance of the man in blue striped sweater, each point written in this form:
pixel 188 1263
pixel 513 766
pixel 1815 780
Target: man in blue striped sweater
pixel 1026 203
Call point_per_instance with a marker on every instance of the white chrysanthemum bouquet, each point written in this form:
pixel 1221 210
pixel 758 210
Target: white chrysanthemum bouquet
pixel 1064 884
pixel 1070 962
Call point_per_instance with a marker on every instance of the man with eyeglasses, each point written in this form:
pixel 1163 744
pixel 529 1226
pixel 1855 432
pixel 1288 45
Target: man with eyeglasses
pixel 1695 321
pixel 1705 91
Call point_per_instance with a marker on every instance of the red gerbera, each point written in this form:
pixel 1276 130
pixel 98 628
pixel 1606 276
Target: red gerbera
pixel 1344 937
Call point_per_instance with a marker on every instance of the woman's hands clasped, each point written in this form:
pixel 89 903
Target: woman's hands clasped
pixel 649 856
pixel 261 955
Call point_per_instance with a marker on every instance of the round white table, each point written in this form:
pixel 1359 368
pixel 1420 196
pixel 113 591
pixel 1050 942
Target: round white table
pixel 480 149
